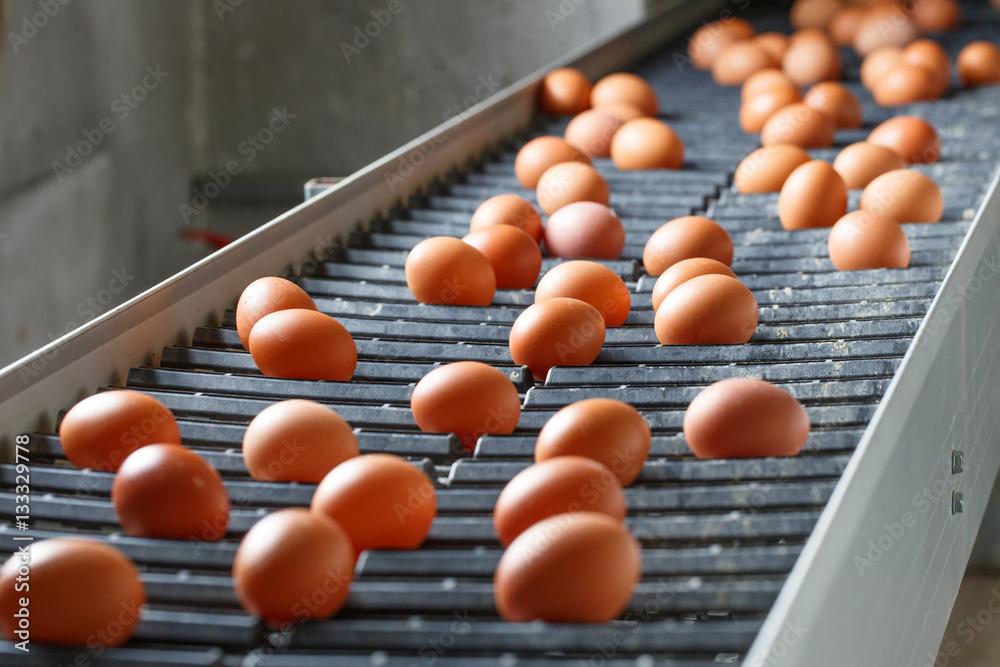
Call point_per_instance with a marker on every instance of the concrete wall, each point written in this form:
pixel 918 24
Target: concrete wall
pixel 71 235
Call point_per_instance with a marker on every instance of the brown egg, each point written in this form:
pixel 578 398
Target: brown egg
pixel 766 169
pixel 745 418
pixel 169 492
pixel 931 55
pixel 708 41
pixel 767 79
pixel 557 486
pixel 864 240
pixel 591 282
pixel 913 138
pixel 904 195
pixel 878 63
pixel 265 296
pixel 318 584
pixel 610 432
pixel 837 101
pixel 534 158
pixel 814 195
pixel 739 27
pixel 813 13
pixel 564 92
pixel 509 210
pixel 625 88
pixel 774 45
pixel 646 143
pixel 515 256
pixel 467 398
pixel 738 61
pixel 904 84
pixel 800 125
pixel 683 271
pixel 303 344
pixel 380 500
pixel 811 58
pixel 755 111
pixel 707 310
pixel 844 25
pixel 556 332
pixel 623 112
pixel 445 270
pixel 859 163
pixel 79 592
pixel 885 25
pixel 584 229
pixel 101 431
pixel 591 132
pixel 570 182
pixel 937 15
pixel 978 64
pixel 297 441
pixel 569 568
pixel 684 237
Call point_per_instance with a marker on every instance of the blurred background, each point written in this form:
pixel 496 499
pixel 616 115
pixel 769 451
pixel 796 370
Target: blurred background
pixel 135 137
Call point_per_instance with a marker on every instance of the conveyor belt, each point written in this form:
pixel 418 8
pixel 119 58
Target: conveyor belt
pixel 718 537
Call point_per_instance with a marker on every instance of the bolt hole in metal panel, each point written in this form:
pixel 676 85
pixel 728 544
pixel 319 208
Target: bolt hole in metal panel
pixel 850 554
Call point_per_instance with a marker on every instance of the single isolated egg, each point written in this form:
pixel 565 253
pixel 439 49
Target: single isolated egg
pixel 303 344
pixel 647 143
pixel 707 310
pixel 591 132
pixel 265 296
pixel 904 195
pixel 590 282
pixel 844 25
pixel 765 169
pixel 101 431
pixel 556 486
pixel 683 271
pixel 745 418
pixel 913 138
pixel 570 568
pixel 811 57
pixel 684 237
pixel 556 332
pixel 625 88
pixel 80 592
pixel 445 270
pixel 859 163
pixel 800 125
pixel 570 182
pixel 508 210
pixel 878 63
pixel 885 25
pixel 755 111
pixel 929 54
pixel 515 256
pixel 169 492
pixel 814 195
pixel 864 240
pixel 297 441
pixel 767 79
pixel 978 64
pixel 584 229
pixel 611 432
pixel 904 84
pixel 534 158
pixel 564 92
pixel 837 101
pixel 380 500
pixel 467 398
pixel 323 557
pixel 937 15
pixel 735 63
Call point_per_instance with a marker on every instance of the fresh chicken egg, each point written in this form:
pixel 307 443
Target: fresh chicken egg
pixel 845 24
pixel 591 282
pixel 684 237
pixel 774 45
pixel 591 132
pixel 297 441
pixel 811 57
pixel 801 125
pixel 534 158
pixel 767 79
pixel 625 88
pixel 767 168
pixel 265 296
pixel 510 210
pixel 814 195
pixel 837 101
pixel 755 111
pixel 913 138
pixel 859 163
pixel 515 256
pixel 444 270
pixel 564 92
pixel 878 63
pixel 937 15
pixel 904 195
pixel 885 25
pixel 979 64
pixel 570 182
pixel 707 310
pixel 865 240
pixel 303 344
pixel 738 61
pixel 929 54
pixel 556 332
pixel 647 143
pixel 683 271
pixel 904 84
pixel 584 229
pixel 813 13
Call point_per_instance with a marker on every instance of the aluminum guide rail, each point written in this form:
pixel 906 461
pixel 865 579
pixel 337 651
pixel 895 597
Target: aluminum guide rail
pixel 735 552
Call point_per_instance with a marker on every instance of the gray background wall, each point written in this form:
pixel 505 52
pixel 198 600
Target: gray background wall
pixel 120 209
